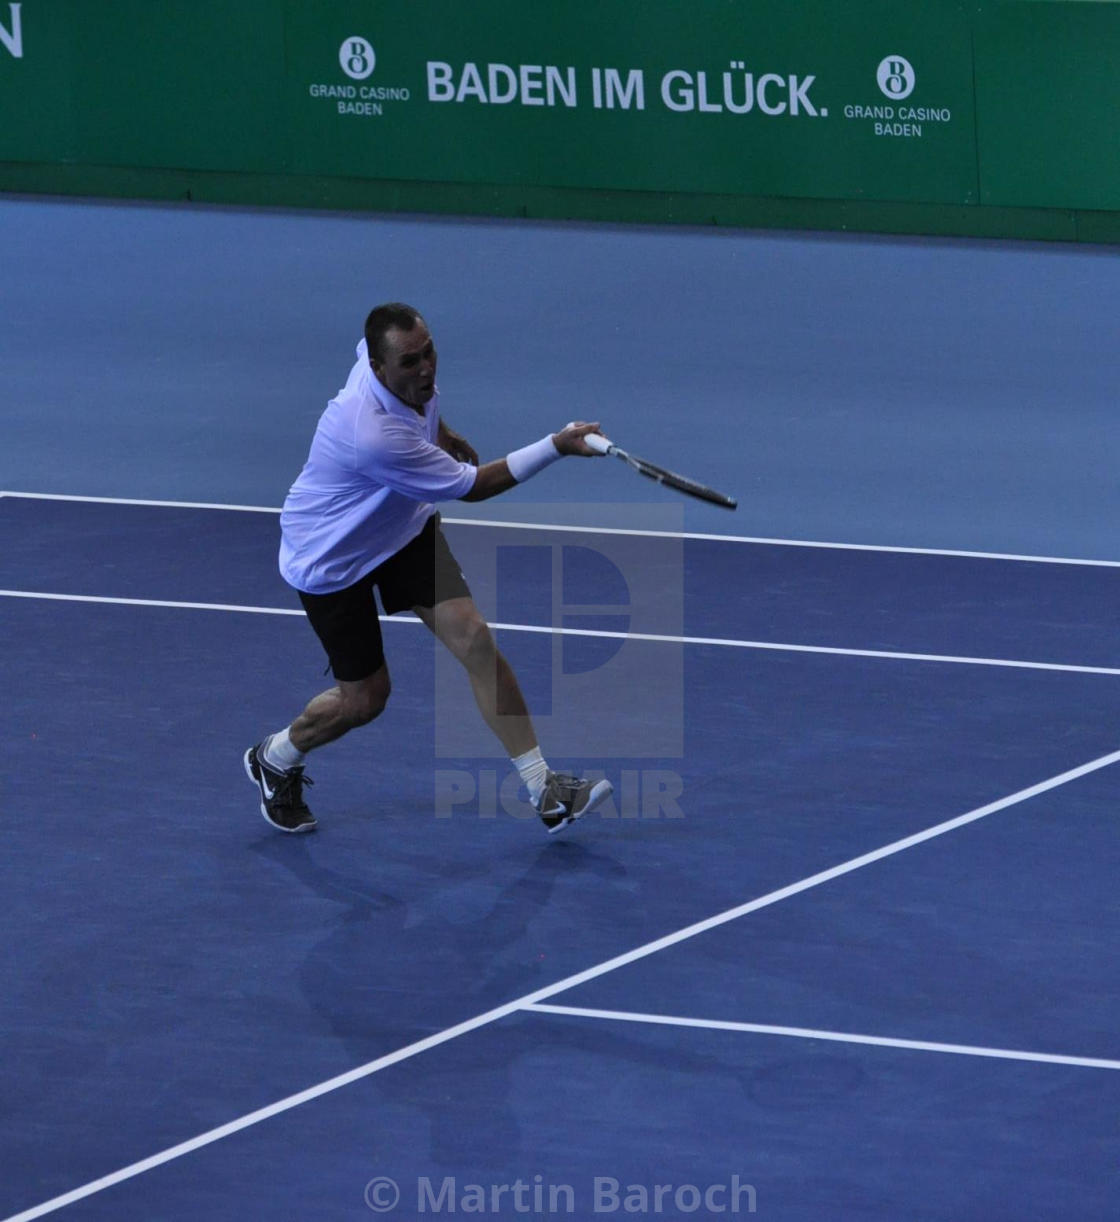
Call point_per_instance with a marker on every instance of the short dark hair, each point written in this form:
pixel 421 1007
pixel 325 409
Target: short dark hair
pixel 393 315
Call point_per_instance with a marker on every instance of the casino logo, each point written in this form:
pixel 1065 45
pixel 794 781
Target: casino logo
pixel 896 77
pixel 357 58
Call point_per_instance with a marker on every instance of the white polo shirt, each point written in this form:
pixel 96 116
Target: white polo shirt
pixel 367 487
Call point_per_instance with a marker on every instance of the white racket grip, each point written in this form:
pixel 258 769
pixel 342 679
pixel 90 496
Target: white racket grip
pixel 598 443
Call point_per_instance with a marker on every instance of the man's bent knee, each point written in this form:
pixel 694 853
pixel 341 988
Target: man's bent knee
pixel 460 626
pixel 366 699
pixel 477 649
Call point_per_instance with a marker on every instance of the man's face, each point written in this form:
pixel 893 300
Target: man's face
pixel 409 365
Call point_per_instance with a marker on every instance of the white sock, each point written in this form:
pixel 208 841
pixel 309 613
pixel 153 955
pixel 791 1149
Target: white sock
pixel 279 753
pixel 533 770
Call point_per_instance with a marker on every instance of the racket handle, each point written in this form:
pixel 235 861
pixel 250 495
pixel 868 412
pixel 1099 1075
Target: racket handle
pixel 597 442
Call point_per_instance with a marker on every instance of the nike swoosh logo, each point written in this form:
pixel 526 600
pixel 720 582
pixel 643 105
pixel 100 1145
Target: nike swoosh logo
pixel 269 794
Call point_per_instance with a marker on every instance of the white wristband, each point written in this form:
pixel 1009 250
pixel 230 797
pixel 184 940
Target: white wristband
pixel 530 459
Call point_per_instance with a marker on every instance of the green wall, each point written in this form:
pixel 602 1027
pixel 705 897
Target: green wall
pixel 993 119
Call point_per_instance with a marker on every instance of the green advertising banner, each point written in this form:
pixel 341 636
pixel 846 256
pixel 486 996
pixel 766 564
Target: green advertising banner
pixel 846 105
pixel 834 98
pixel 1048 96
pixel 178 83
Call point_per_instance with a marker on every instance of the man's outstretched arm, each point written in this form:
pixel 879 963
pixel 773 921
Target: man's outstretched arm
pixel 494 478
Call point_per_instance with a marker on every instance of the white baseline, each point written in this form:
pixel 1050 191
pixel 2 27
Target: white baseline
pixel 603 530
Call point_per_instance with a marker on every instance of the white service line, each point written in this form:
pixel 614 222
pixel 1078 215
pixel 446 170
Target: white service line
pixel 655 638
pixel 530 1000
pixel 607 530
pixel 827 649
pixel 807 1033
pixel 651 637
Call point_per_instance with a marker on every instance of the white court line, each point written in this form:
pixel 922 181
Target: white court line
pixel 768 542
pixel 608 530
pixel 124 500
pixel 652 637
pixel 531 999
pixel 842 1037
pixel 655 638
pixel 152 602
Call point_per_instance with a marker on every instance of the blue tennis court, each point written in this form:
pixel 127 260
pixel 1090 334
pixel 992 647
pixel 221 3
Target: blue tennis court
pixel 841 946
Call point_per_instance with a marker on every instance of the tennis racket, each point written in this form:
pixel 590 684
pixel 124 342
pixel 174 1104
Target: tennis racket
pixel 670 479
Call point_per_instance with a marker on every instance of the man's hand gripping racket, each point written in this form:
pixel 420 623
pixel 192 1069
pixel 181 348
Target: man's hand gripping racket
pixel 681 483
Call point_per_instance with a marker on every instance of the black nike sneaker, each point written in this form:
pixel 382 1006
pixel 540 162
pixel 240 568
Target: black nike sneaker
pixel 282 801
pixel 566 798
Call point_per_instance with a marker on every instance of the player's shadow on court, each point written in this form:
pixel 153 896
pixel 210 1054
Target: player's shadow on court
pixel 352 891
pixel 392 968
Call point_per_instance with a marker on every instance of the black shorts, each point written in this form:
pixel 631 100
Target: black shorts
pixel 422 574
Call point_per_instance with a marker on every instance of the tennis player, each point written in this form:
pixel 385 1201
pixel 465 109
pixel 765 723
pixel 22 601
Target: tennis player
pixel 361 514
